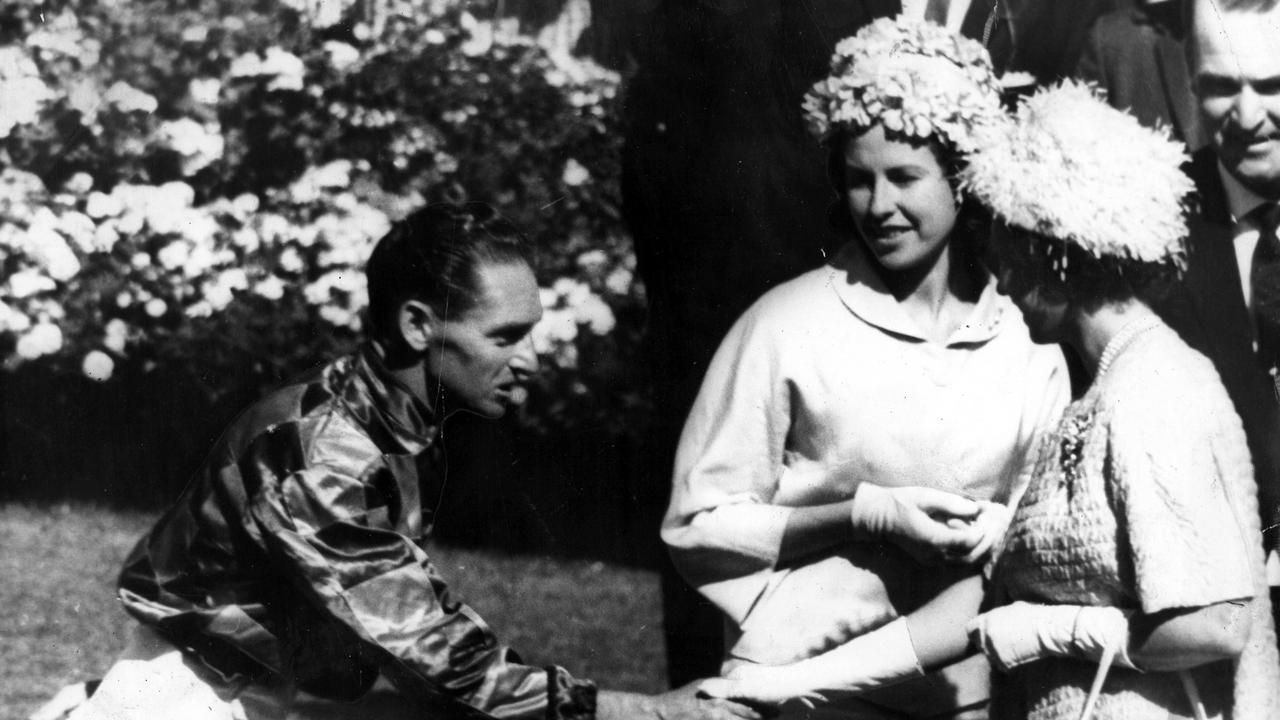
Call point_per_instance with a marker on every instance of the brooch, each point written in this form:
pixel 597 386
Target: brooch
pixel 1073 430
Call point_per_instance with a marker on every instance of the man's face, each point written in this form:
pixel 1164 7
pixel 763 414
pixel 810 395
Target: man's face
pixel 482 357
pixel 1236 74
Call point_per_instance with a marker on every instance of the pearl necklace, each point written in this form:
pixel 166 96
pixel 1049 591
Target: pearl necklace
pixel 1123 338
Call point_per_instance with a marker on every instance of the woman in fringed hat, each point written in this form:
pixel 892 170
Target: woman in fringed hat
pixel 1130 584
pixel 859 434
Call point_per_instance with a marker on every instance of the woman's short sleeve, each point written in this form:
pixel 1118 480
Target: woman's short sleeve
pixel 1177 457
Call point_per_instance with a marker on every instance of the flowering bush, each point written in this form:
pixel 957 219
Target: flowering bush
pixel 194 186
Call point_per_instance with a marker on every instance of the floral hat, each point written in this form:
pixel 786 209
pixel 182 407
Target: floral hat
pixel 914 77
pixel 1074 169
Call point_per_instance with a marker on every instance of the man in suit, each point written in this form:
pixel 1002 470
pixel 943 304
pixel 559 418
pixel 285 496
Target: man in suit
pixel 1228 305
pixel 1137 55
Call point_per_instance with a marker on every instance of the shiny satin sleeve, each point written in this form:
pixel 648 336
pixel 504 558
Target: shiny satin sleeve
pixel 325 531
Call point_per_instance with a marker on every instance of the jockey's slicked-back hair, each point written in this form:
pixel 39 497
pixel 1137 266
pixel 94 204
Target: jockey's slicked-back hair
pixel 433 256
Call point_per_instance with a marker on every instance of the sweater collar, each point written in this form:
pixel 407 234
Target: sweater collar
pixel 862 291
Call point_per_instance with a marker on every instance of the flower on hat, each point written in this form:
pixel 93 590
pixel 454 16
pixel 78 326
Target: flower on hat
pixel 1074 169
pixel 915 77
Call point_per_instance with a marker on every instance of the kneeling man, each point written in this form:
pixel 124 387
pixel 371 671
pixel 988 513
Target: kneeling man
pixel 290 579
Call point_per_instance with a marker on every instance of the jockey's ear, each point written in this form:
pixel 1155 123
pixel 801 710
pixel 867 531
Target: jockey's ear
pixel 416 322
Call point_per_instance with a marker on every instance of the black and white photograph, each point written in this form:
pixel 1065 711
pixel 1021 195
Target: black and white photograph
pixel 639 359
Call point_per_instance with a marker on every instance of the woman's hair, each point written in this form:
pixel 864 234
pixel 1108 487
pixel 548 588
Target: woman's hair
pixel 433 256
pixel 1085 280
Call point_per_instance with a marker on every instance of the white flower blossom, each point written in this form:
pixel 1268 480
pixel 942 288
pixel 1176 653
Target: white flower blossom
pixel 246 65
pixel 195 34
pixel 246 239
pixel 156 307
pixel 548 297
pixel 60 34
pixel 286 67
pixel 574 173
pixel 200 309
pixel 174 255
pixel 80 229
pixel 574 292
pixel 342 56
pixel 47 246
pixel 126 98
pixel 102 205
pixel 105 238
pixel 201 260
pixel 291 261
pixel 198 145
pixel 205 90
pixel 85 96
pixel 332 175
pixel 217 295
pixel 21 100
pixel 246 204
pixel 140 260
pixel 555 327
pixel 596 314
pixel 347 281
pixel 619 281
pixel 481 35
pixel 271 288
pixel 337 315
pixel 12 320
pixel 44 338
pixel 16 63
pixel 97 365
pixel 434 37
pixel 115 336
pixel 79 183
pixel 593 262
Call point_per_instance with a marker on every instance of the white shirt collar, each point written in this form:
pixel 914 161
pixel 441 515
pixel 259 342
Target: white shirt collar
pixel 862 291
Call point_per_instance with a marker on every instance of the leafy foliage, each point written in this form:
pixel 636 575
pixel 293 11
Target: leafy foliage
pixel 193 185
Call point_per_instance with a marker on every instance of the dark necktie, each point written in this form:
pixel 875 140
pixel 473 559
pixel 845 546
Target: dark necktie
pixel 1265 280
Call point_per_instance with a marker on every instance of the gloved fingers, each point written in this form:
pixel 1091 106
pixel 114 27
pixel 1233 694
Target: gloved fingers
pixel 942 504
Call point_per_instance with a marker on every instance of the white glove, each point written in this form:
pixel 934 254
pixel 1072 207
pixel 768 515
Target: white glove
pixel 1016 634
pixel 991 524
pixel 881 657
pixel 929 524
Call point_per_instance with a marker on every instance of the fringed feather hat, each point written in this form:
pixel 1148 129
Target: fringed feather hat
pixel 1072 169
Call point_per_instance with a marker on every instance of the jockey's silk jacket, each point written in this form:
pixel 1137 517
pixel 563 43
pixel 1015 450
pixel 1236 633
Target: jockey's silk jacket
pixel 296 554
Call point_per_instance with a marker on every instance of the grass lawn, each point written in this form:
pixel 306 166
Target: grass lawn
pixel 59 622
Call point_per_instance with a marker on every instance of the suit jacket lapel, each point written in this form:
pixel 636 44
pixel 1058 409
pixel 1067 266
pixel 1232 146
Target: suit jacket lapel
pixel 1214 273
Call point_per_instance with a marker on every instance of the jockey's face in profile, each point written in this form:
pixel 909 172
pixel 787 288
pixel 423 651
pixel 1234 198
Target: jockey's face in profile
pixel 482 357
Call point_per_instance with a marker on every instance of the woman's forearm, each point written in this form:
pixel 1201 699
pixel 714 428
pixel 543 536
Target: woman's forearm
pixel 814 529
pixel 938 628
pixel 1179 639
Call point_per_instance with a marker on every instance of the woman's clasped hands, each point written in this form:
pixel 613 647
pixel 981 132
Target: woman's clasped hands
pixel 930 525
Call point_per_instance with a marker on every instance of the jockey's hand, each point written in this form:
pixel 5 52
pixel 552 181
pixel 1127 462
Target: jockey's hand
pixel 931 525
pixel 684 703
pixel 762 684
